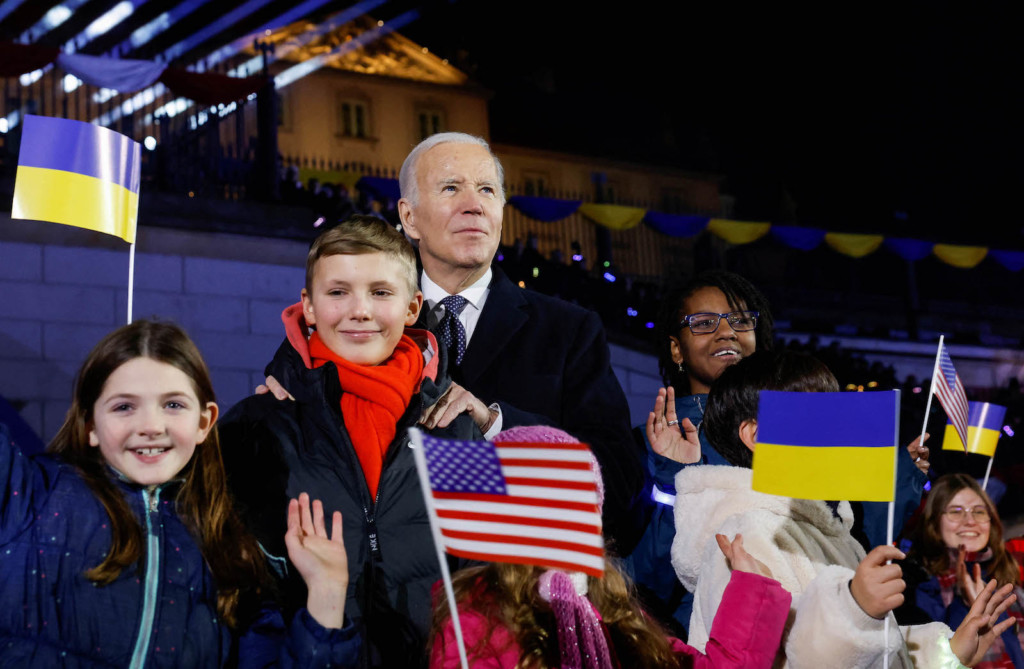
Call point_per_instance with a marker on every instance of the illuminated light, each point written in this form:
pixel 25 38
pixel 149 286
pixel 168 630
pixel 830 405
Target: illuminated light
pixel 56 16
pixel 501 257
pixel 4 127
pixel 380 24
pixel 576 257
pixel 536 272
pixel 318 222
pixel 522 284
pixel 607 263
pixel 30 78
pixel 851 386
pixel 267 32
pixel 1008 430
pixel 916 390
pixel 71 82
pixel 872 384
pixel 927 485
pixel 191 194
pixel 445 61
pixel 630 311
pixel 103 24
pixel 149 142
pixel 425 50
pixel 860 389
pixel 609 277
pixel 649 325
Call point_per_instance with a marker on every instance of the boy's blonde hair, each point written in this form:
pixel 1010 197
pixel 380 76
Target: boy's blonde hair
pixel 359 235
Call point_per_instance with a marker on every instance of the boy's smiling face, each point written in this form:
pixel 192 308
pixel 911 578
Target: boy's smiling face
pixel 360 305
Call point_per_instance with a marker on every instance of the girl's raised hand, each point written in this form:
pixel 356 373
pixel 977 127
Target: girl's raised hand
pixel 667 435
pixel 979 629
pixel 738 558
pixel 970 583
pixel 321 560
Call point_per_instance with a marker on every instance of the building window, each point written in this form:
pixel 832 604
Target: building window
pixel 353 118
pixel 431 122
pixel 536 184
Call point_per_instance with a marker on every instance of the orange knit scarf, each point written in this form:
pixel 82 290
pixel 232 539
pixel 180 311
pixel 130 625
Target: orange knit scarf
pixel 373 399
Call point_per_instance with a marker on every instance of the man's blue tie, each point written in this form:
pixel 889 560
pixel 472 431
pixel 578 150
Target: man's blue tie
pixel 450 328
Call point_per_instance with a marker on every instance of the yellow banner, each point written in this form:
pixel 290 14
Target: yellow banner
pixel 613 216
pixel 738 232
pixel 69 198
pixel 348 179
pixel 853 245
pixel 831 472
pixel 964 257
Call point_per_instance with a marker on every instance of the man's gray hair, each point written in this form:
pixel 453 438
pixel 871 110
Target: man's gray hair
pixel 407 181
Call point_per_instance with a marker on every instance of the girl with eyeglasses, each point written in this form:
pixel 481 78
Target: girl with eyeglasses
pixel 957 544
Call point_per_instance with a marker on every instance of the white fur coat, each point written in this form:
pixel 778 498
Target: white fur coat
pixel 809 551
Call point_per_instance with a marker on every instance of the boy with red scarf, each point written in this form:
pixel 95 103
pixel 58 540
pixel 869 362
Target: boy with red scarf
pixel 359 380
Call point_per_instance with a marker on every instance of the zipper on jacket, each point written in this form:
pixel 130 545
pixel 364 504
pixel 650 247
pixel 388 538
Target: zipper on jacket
pixel 371 530
pixel 150 500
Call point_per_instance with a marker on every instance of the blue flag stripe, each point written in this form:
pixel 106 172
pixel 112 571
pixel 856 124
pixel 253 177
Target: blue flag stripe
pixel 827 419
pixel 81 148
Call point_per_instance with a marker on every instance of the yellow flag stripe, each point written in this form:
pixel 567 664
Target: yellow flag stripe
pixel 830 473
pixel 979 440
pixel 42 194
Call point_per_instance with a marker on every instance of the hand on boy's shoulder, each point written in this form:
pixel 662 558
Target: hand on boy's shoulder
pixel 274 387
pixel 455 401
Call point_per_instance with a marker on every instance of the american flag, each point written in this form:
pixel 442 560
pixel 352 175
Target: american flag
pixel 531 504
pixel 950 391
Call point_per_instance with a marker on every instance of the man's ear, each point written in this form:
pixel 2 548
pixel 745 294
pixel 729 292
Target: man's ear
pixel 748 433
pixel 405 214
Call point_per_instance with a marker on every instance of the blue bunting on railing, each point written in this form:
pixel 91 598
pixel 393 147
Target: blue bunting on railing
pixel 803 239
pixel 1011 260
pixel 909 249
pixel 675 225
pixel 546 209
pixel 382 187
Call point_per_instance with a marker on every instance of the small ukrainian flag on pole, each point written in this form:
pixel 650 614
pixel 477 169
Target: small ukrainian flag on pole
pixel 828 446
pixel 78 174
pixel 984 425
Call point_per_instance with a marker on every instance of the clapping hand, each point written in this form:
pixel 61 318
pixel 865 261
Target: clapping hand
pixel 321 560
pixel 970 583
pixel 979 629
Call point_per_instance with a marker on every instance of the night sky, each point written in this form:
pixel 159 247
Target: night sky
pixel 900 121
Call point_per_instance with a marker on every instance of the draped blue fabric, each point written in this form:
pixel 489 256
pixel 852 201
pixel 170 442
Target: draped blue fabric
pixel 1011 260
pixel 804 239
pixel 382 187
pixel 546 209
pixel 121 74
pixel 909 249
pixel 675 225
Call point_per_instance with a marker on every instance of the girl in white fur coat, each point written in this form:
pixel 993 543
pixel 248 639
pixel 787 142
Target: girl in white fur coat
pixel 840 597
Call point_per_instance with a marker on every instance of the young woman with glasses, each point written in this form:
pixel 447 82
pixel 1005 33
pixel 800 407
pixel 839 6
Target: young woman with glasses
pixel 957 543
pixel 705 325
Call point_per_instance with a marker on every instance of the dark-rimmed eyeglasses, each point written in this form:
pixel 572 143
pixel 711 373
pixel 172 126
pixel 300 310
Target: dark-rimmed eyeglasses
pixel 704 323
pixel 959 514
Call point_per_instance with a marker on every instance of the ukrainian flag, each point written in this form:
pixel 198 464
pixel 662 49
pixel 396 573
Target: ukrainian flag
pixel 984 425
pixel 78 174
pixel 831 446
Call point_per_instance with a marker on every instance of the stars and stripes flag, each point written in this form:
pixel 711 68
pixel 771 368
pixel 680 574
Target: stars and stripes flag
pixel 949 389
pixel 522 503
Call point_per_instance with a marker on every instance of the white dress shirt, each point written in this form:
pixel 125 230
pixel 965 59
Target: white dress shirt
pixel 476 297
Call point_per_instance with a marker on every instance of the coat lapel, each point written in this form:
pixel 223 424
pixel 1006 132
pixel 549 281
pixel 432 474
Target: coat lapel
pixel 505 312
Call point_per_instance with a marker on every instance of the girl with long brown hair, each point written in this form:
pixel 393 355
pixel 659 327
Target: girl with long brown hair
pixel 120 546
pixel 957 543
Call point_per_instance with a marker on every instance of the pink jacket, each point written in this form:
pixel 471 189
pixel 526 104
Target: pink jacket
pixel 746 633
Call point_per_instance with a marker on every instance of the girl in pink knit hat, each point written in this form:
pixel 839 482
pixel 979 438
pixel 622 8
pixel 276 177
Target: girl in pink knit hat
pixel 516 615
